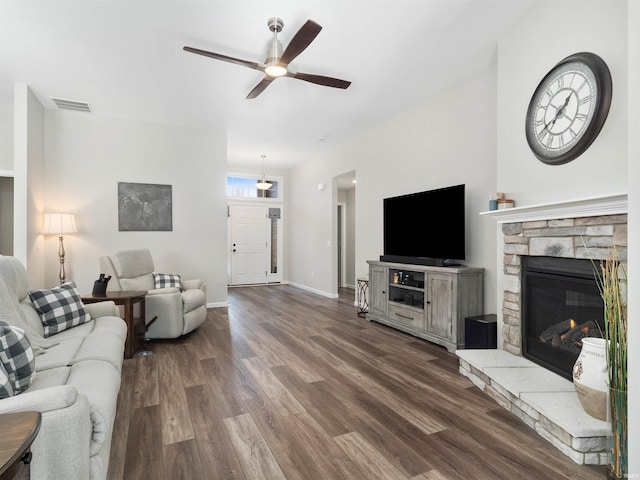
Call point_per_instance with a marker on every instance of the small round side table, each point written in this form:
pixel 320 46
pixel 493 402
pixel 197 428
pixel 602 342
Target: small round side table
pixel 19 430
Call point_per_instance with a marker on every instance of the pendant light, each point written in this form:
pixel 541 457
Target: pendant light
pixel 262 184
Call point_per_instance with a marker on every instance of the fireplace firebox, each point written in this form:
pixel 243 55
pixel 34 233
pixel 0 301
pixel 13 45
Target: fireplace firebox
pixel 561 305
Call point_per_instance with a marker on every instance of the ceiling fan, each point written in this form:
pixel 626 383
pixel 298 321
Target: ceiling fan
pixel 277 63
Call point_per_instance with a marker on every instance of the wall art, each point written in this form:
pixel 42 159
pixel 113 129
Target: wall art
pixel 144 207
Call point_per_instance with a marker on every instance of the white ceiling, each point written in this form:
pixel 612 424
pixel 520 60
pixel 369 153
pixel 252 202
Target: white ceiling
pixel 125 59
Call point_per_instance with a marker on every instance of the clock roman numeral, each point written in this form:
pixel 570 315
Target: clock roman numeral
pixel 585 100
pixel 582 85
pixel 560 141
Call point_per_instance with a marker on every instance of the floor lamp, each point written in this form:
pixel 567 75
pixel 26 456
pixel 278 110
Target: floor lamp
pixel 60 224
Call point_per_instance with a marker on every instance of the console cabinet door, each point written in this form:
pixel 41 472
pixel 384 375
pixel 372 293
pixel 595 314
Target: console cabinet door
pixel 379 285
pixel 440 302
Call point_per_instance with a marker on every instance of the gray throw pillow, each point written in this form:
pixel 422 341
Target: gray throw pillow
pixel 16 357
pixel 167 280
pixel 60 308
pixel 6 390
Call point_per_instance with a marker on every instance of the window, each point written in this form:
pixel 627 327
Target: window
pixel 245 187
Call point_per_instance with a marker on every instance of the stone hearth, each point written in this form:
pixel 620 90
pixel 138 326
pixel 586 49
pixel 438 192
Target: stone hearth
pixel 543 400
pixel 587 228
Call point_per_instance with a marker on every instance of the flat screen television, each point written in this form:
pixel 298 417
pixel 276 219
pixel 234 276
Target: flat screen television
pixel 425 228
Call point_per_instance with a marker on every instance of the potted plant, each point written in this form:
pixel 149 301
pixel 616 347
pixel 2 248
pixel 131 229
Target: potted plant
pixel 613 292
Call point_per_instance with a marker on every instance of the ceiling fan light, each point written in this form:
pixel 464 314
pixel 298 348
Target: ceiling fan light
pixel 275 70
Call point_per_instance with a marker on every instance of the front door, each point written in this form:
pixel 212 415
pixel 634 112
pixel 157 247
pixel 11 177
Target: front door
pixel 249 244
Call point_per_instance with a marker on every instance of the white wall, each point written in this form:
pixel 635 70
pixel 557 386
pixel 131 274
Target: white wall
pixel 28 182
pixel 6 215
pixel 445 140
pixel 525 54
pixel 309 215
pixel 86 157
pixel 633 265
pixel 6 135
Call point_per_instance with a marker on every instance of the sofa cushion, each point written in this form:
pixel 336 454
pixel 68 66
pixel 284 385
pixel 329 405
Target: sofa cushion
pixel 53 377
pixel 167 280
pixel 60 308
pixel 16 356
pixel 59 355
pixel 6 390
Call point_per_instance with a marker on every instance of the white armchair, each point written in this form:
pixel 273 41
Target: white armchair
pixel 178 311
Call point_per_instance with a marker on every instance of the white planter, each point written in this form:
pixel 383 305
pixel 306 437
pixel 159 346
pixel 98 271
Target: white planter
pixel 590 377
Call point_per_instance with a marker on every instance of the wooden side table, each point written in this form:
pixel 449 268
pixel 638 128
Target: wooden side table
pixel 19 430
pixel 135 324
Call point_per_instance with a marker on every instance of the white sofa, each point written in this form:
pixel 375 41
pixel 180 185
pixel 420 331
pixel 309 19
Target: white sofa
pixel 76 383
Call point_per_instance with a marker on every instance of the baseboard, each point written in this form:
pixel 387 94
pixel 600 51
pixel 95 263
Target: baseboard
pixel 217 304
pixel 313 290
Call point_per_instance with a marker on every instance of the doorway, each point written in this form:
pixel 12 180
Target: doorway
pixel 344 228
pixel 342 244
pixel 255 245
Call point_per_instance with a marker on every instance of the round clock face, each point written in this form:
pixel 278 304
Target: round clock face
pixel 569 108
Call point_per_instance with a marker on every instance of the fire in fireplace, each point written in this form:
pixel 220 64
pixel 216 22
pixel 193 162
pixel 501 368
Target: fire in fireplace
pixel 561 305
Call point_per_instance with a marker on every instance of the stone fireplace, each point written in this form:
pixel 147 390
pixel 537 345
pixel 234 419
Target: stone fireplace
pixel 564 236
pixel 589 238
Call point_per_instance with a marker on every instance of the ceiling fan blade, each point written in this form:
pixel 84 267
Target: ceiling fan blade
pixel 320 80
pixel 225 58
pixel 259 88
pixel 300 41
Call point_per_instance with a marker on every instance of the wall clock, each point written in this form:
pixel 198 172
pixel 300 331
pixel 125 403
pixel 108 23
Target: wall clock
pixel 568 108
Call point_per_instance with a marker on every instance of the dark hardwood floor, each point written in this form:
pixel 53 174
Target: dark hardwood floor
pixel 285 384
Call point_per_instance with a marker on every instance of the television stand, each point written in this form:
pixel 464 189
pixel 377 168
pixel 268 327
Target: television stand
pixel 430 302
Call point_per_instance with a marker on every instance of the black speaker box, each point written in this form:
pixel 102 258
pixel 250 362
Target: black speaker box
pixel 481 331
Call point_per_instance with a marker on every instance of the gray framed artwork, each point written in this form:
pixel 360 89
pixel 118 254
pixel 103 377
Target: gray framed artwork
pixel 144 207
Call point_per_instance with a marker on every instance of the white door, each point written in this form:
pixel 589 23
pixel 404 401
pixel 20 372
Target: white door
pixel 248 244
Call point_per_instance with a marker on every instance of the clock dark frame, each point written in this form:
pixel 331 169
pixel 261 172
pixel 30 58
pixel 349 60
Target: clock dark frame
pixel 605 92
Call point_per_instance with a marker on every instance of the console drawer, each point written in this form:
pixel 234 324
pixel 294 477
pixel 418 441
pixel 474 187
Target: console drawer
pixel 408 317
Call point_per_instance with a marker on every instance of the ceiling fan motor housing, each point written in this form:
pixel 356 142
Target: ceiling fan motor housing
pixel 274 50
pixel 275 24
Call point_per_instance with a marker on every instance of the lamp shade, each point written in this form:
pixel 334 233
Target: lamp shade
pixel 59 223
pixel 263 185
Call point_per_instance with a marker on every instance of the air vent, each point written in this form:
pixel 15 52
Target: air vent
pixel 72 105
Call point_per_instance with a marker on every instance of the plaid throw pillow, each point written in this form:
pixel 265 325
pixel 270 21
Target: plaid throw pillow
pixel 60 308
pixel 167 280
pixel 6 390
pixel 16 357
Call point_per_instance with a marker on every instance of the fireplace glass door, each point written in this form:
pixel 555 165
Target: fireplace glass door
pixel 561 305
